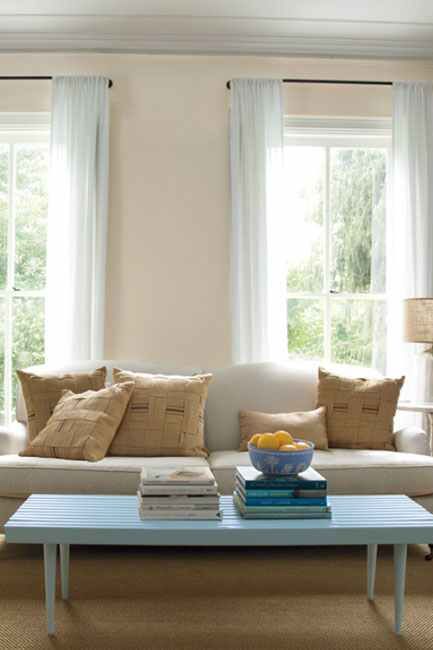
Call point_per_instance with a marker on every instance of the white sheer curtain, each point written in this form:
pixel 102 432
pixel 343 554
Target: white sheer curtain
pixel 77 219
pixel 257 267
pixel 411 233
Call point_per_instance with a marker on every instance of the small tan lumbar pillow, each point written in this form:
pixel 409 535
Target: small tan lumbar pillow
pixel 307 425
pixel 164 417
pixel 41 393
pixel 82 426
pixel 359 412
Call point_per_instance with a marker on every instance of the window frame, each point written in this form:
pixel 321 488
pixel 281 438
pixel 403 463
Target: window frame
pixel 339 133
pixel 16 129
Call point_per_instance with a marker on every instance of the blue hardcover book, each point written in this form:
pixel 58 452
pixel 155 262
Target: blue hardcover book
pixel 281 501
pixel 281 512
pixel 251 478
pixel 293 492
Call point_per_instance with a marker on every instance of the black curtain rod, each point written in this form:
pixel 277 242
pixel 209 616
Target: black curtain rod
pixel 25 78
pixel 352 82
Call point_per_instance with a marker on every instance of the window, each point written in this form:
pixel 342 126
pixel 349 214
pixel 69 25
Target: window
pixel 336 234
pixel 23 236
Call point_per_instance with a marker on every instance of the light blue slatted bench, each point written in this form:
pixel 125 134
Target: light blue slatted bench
pixel 61 520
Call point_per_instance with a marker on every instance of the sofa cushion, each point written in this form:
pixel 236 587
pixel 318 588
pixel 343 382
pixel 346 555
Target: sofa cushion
pixel 307 425
pixel 223 463
pixel 164 417
pixel 41 393
pixel 348 471
pixel 364 471
pixel 22 476
pixel 359 412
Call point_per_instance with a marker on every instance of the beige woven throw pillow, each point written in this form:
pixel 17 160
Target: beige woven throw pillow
pixel 41 393
pixel 82 426
pixel 164 417
pixel 359 412
pixel 308 425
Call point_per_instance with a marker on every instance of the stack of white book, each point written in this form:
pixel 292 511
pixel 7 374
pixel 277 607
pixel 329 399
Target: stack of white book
pixel 178 493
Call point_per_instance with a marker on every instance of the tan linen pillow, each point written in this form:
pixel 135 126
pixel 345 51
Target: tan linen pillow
pixel 308 425
pixel 359 412
pixel 41 394
pixel 82 426
pixel 164 417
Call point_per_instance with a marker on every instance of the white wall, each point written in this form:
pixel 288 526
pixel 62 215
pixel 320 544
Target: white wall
pixel 168 262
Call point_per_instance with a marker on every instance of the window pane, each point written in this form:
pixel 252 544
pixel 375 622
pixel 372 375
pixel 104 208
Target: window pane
pixel 4 204
pixel 28 336
pixel 305 328
pixel 305 173
pixel 357 214
pixel 31 203
pixel 358 332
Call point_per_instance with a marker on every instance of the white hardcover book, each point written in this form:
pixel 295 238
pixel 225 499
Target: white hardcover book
pixel 179 508
pixel 167 504
pixel 185 508
pixel 178 490
pixel 179 501
pixel 189 475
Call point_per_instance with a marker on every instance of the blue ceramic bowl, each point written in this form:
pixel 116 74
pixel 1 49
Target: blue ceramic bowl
pixel 280 463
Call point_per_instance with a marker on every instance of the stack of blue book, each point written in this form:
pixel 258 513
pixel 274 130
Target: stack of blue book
pixel 301 496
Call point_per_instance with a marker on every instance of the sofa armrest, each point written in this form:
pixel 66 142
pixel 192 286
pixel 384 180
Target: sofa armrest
pixel 413 440
pixel 13 438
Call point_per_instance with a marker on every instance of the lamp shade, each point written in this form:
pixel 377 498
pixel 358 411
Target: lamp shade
pixel 418 320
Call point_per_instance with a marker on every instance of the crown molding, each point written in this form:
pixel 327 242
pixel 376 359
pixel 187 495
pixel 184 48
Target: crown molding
pixel 242 44
pixel 384 11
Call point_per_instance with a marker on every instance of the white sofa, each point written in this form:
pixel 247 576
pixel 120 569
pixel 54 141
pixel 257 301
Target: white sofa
pixel 264 387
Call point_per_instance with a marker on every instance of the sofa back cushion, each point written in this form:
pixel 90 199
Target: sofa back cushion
pixel 269 387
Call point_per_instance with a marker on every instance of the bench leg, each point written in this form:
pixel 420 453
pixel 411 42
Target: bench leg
pixel 371 569
pixel 400 554
pixel 64 570
pixel 50 560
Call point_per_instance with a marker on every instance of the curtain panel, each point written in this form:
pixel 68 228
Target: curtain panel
pixel 410 272
pixel 77 219
pixel 259 330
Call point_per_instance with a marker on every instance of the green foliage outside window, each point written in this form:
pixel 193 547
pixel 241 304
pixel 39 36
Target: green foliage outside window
pixel 356 254
pixel 29 198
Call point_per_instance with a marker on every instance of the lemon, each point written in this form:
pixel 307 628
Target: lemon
pixel 268 441
pixel 302 445
pixel 288 448
pixel 254 439
pixel 283 437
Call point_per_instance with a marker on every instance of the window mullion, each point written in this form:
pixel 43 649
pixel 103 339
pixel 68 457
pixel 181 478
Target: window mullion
pixel 326 264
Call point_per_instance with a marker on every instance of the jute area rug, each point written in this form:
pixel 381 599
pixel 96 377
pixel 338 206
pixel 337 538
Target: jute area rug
pixel 222 599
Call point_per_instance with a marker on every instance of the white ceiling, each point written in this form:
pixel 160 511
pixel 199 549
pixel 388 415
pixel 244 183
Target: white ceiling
pixel 368 28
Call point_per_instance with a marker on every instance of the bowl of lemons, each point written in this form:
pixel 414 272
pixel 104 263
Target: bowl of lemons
pixel 280 453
